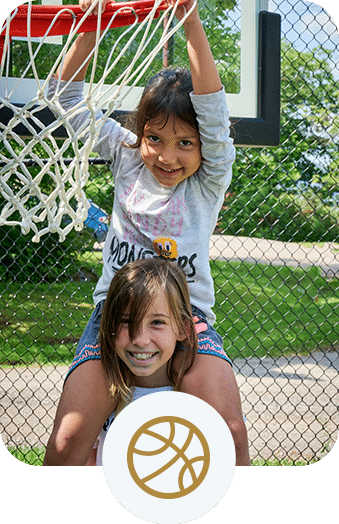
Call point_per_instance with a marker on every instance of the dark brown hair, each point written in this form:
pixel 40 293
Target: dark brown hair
pixel 132 289
pixel 166 95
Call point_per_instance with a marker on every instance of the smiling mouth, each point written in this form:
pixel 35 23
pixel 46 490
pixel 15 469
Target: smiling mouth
pixel 169 172
pixel 141 357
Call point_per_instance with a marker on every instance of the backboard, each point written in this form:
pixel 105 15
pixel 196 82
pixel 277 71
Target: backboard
pixel 245 40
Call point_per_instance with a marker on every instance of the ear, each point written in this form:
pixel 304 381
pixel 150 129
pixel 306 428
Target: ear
pixel 185 332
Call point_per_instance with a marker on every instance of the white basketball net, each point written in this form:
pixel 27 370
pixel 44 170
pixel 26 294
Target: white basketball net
pixel 65 206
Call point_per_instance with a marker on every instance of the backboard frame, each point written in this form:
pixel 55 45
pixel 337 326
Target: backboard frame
pixel 264 129
pixel 255 117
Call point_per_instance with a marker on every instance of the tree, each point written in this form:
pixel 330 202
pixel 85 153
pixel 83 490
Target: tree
pixel 266 199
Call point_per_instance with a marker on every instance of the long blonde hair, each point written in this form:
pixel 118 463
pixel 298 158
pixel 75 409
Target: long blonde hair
pixel 133 288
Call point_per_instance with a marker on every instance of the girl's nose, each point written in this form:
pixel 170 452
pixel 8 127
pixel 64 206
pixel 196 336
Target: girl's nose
pixel 141 338
pixel 166 155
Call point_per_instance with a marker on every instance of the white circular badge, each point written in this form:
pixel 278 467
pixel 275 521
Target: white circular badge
pixel 169 457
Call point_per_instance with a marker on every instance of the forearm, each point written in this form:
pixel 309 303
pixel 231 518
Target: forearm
pixel 212 380
pixel 78 56
pixel 205 76
pixel 65 450
pixel 84 406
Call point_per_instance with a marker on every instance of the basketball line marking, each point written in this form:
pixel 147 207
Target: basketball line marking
pixel 183 471
pixel 165 446
pixel 180 453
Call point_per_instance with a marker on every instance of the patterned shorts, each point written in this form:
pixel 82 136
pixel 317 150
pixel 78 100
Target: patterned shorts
pixel 209 341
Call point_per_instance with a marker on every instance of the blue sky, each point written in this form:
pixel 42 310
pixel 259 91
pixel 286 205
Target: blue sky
pixel 307 25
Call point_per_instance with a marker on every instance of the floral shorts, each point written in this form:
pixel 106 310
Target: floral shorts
pixel 209 341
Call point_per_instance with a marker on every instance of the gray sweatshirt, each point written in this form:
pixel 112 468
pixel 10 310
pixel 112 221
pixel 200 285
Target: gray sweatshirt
pixel 149 219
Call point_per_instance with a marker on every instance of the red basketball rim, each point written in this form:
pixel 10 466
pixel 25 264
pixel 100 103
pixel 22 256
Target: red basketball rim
pixel 62 17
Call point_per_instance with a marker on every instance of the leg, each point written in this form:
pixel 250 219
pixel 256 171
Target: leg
pixel 212 379
pixel 84 406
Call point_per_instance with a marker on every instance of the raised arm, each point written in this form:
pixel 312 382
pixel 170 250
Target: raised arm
pixel 76 56
pixel 80 50
pixel 205 76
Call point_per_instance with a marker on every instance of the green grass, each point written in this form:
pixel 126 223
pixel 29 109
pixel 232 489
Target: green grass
pixel 272 311
pixel 31 456
pixel 261 310
pixel 283 462
pixel 42 324
pixel 35 457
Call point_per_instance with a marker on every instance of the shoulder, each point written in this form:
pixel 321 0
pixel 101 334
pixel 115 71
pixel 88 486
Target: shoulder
pixel 112 143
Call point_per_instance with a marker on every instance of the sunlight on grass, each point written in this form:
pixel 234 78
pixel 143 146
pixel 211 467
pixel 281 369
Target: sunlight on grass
pixel 32 456
pixel 261 311
pixel 274 310
pixel 42 324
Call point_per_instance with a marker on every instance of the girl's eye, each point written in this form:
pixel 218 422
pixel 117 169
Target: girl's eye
pixel 158 323
pixel 153 138
pixel 186 143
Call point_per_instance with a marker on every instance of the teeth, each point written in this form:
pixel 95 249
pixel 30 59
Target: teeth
pixel 143 356
pixel 169 170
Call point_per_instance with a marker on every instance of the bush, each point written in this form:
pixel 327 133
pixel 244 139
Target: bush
pixel 23 260
pixel 287 217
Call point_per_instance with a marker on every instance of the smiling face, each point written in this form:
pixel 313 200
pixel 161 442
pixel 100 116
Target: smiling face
pixel 153 345
pixel 172 151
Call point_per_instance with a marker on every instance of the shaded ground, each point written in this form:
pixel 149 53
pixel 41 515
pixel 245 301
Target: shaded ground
pixel 291 404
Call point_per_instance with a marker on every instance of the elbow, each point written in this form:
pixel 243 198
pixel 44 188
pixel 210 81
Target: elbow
pixel 239 433
pixel 66 452
pixel 58 452
pixel 51 89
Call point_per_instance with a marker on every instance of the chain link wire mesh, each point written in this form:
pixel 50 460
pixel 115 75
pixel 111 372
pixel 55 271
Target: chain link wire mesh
pixel 274 259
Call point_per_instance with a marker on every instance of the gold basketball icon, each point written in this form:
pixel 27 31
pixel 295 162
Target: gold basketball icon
pixel 168 457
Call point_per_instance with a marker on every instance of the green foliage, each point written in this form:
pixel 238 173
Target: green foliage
pixel 286 217
pixel 264 200
pixel 49 260
pixel 224 41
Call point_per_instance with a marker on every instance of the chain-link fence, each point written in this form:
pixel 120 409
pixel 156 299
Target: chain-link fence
pixel 274 259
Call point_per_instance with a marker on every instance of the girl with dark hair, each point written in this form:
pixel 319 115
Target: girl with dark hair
pixel 170 179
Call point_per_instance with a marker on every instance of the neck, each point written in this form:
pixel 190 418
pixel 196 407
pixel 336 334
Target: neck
pixel 152 381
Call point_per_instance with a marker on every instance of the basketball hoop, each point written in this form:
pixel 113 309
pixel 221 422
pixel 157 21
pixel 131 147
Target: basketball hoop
pixel 65 205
